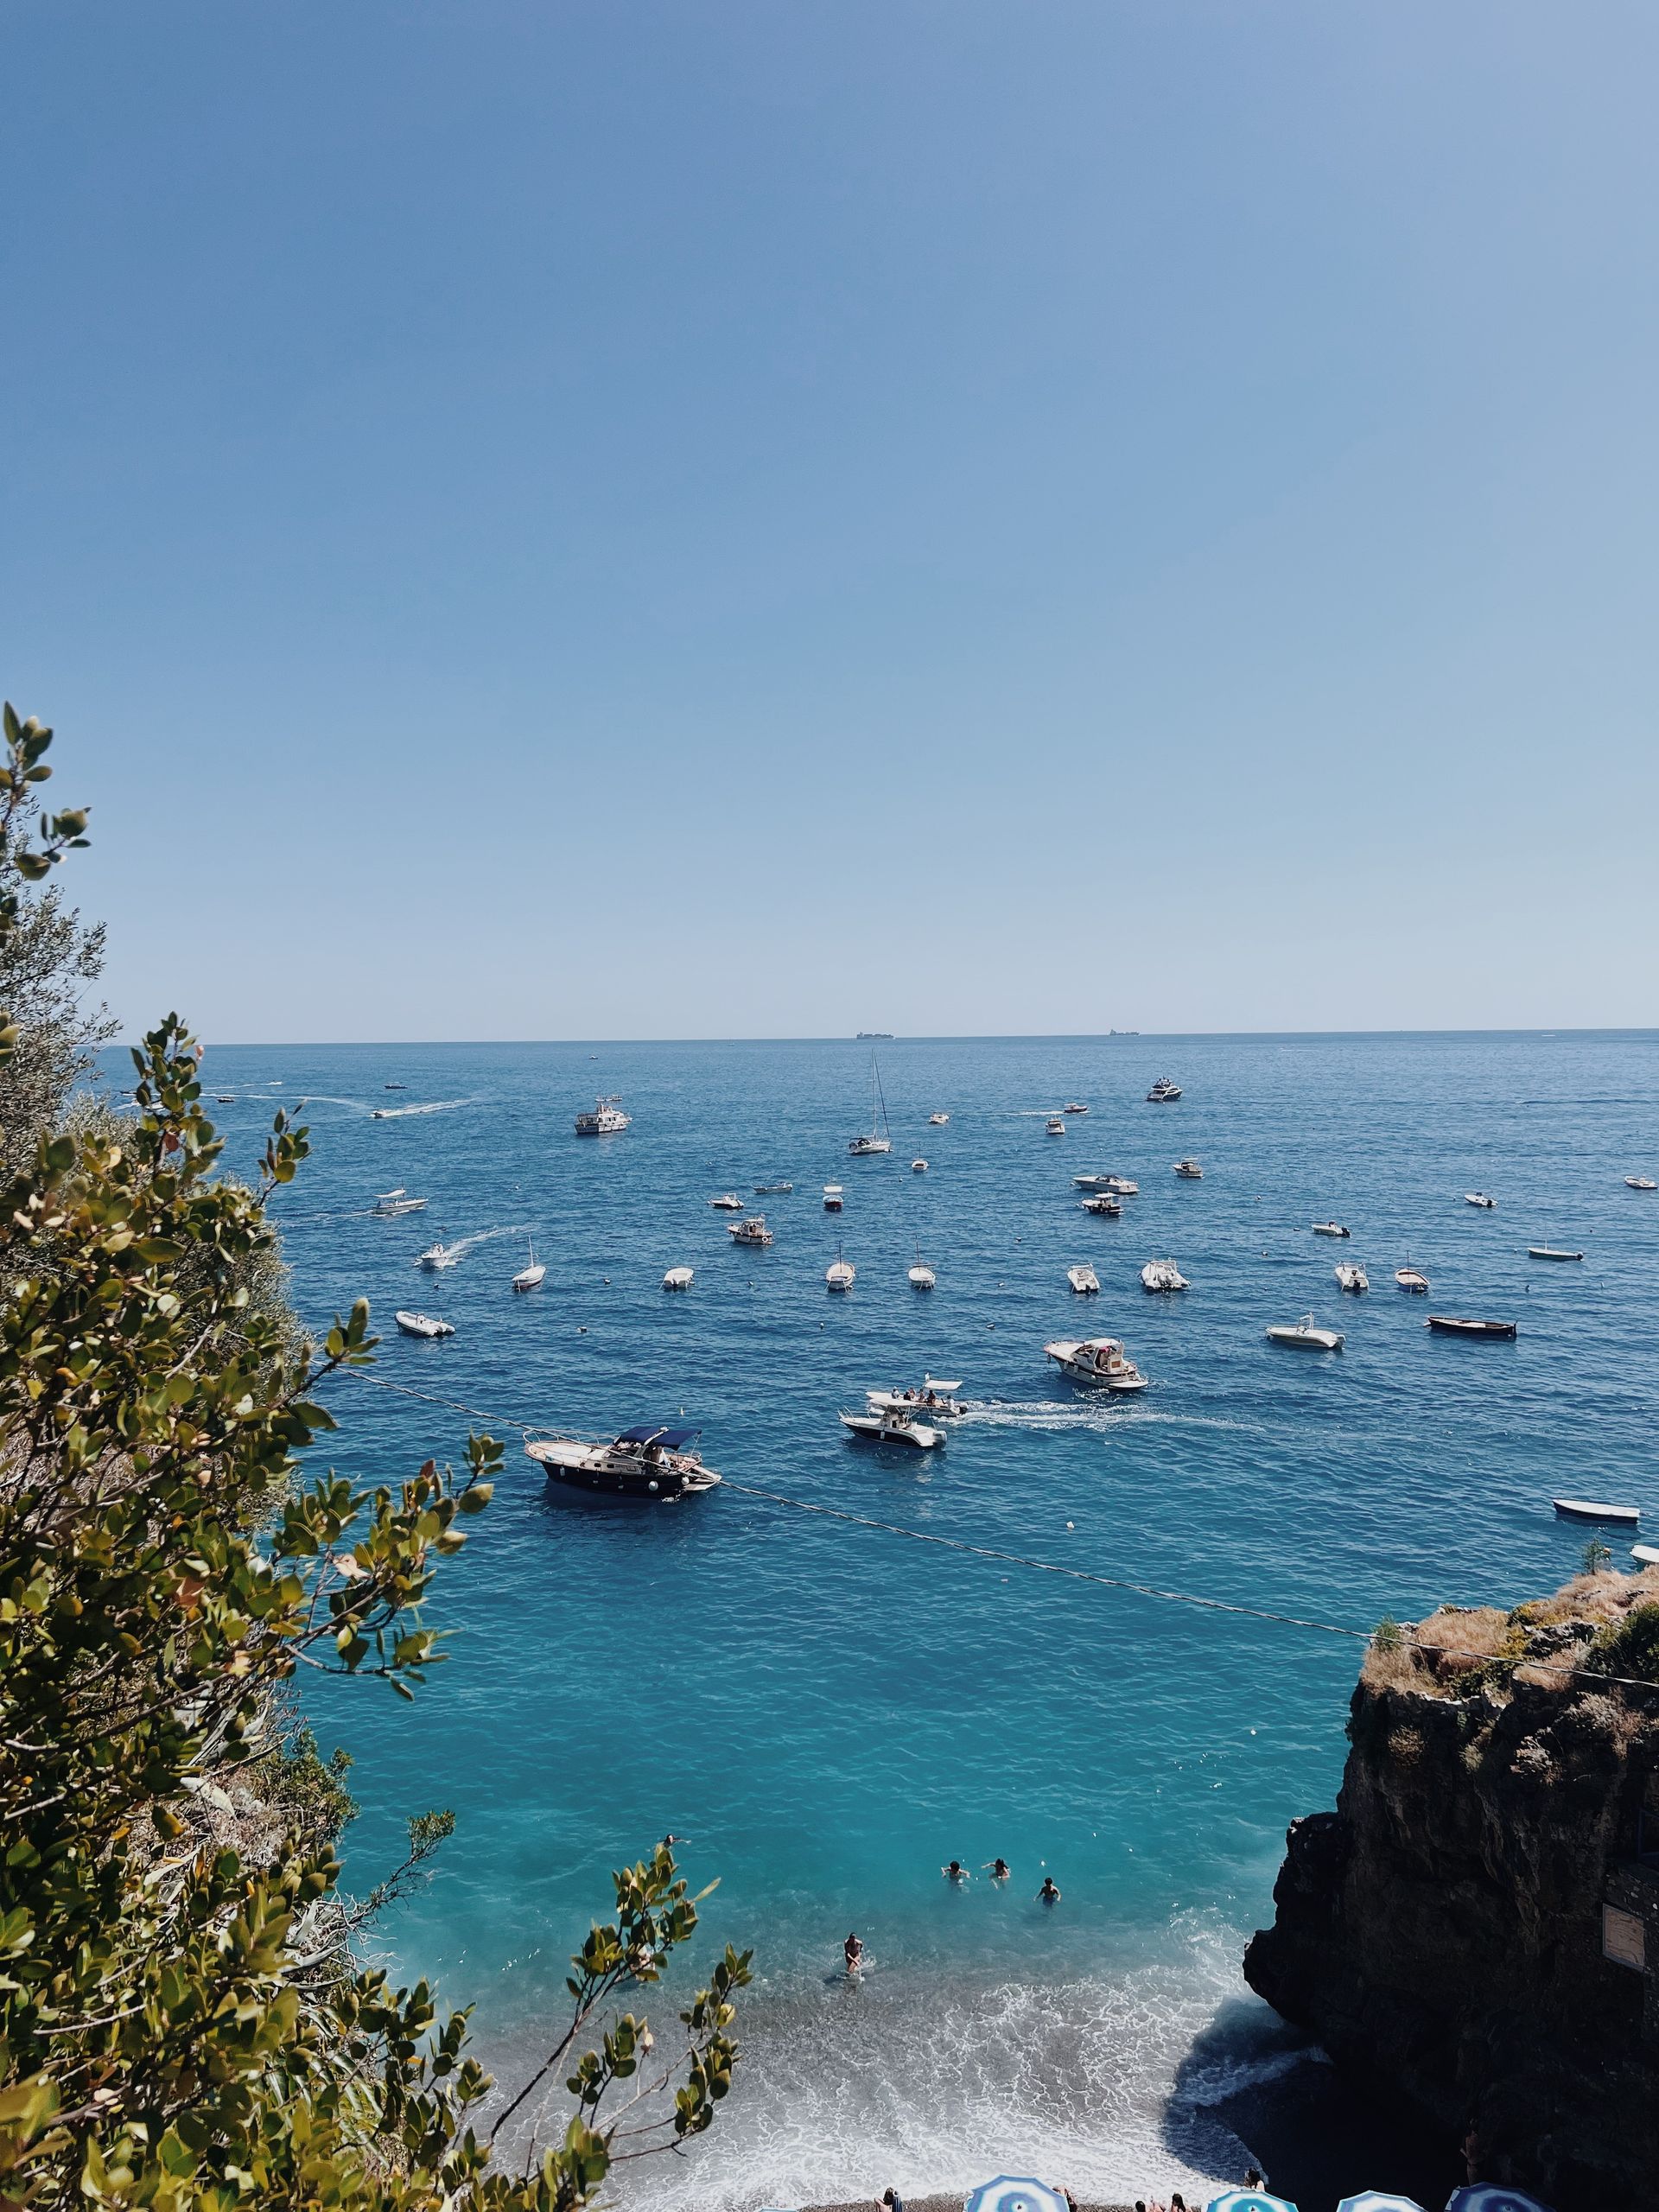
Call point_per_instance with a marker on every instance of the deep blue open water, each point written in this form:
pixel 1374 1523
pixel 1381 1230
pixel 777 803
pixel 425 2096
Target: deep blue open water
pixel 828 1713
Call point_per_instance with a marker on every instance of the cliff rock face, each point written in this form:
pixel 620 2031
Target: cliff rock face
pixel 1476 1927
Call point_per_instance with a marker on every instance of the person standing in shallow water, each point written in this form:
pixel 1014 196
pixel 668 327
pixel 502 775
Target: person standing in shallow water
pixel 1048 1893
pixel 955 1872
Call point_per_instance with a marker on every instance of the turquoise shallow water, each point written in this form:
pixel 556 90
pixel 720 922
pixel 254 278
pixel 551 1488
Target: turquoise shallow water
pixel 828 1713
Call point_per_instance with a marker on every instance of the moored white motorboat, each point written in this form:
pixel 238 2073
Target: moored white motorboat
pixel 390 1204
pixel 1055 1125
pixel 1640 1183
pixel 1163 1092
pixel 422 1324
pixel 1331 1228
pixel 678 1279
pixel 1550 1252
pixel 1096 1359
pixel 1189 1170
pixel 1162 1275
pixel 1305 1334
pixel 893 1426
pixel 752 1230
pixel 1645 1555
pixel 1351 1276
pixel 919 1167
pixel 1083 1280
pixel 436 1257
pixel 1412 1279
pixel 531 1277
pixel 937 1120
pixel 1585 1509
pixel 840 1274
pixel 1103 1202
pixel 607 1120
pixel 1479 1199
pixel 654 1463
pixel 727 1202
pixel 1089 1182
pixel 833 1197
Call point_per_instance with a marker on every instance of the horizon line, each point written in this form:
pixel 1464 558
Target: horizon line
pixel 887 1037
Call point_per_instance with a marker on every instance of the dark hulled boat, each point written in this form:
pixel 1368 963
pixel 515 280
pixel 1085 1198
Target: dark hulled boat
pixel 1447 1324
pixel 652 1463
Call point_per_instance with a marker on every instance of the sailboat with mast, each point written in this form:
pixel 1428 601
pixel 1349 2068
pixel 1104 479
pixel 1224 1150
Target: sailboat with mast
pixel 881 1137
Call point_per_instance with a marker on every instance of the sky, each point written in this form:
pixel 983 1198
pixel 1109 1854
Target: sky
pixel 726 518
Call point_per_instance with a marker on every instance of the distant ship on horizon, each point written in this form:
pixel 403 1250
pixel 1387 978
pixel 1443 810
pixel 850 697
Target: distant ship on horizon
pixel 869 1036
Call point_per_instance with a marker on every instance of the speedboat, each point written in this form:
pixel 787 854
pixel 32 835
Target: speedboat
pixel 1478 1198
pixel 390 1204
pixel 833 1195
pixel 1162 1275
pixel 1550 1252
pixel 937 1120
pixel 1351 1276
pixel 422 1324
pixel 881 1137
pixel 531 1277
pixel 1074 1106
pixel 1584 1509
pixel 935 1400
pixel 1090 1182
pixel 840 1273
pixel 1122 1186
pixel 1331 1228
pixel 727 1202
pixel 225 1098
pixel 1083 1280
pixel 1096 1359
pixel 653 1464
pixel 1056 1125
pixel 607 1120
pixel 921 1275
pixel 1104 1202
pixel 752 1230
pixel 1448 1325
pixel 1640 1183
pixel 1305 1334
pixel 893 1426
pixel 1412 1279
pixel 436 1257
pixel 1163 1092
pixel 1189 1170
pixel 678 1279
pixel 919 1167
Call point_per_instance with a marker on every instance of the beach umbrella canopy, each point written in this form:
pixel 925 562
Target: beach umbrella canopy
pixel 1008 2193
pixel 1488 2196
pixel 1379 2200
pixel 1248 2200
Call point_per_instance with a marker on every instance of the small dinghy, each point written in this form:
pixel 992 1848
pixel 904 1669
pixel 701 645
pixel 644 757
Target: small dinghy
pixel 1351 1276
pixel 1331 1228
pixel 1305 1334
pixel 1585 1509
pixel 1163 1274
pixel 1640 1183
pixel 1478 1198
pixel 937 1120
pixel 1084 1280
pixel 1550 1252
pixel 678 1279
pixel 1412 1279
pixel 893 1426
pixel 1448 1325
pixel 422 1324
pixel 919 1167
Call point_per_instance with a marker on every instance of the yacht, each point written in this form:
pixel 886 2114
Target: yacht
pixel 1056 1125
pixel 1162 1275
pixel 919 1167
pixel 390 1204
pixel 436 1257
pixel 893 1426
pixel 678 1279
pixel 840 1274
pixel 935 1398
pixel 1096 1359
pixel 727 1202
pixel 1640 1183
pixel 1104 1202
pixel 833 1195
pixel 1074 1106
pixel 1351 1276
pixel 654 1463
pixel 422 1324
pixel 1305 1334
pixel 1550 1252
pixel 1083 1280
pixel 1411 1279
pixel 1090 1182
pixel 1479 1199
pixel 752 1230
pixel 1163 1092
pixel 922 1277
pixel 531 1277
pixel 1331 1228
pixel 881 1137
pixel 937 1120
pixel 607 1120
pixel 1189 1170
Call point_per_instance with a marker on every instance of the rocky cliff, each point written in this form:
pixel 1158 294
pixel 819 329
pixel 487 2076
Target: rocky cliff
pixel 1476 1927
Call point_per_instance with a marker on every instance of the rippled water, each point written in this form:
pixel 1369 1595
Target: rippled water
pixel 828 1712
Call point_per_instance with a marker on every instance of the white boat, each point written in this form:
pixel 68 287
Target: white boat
pixel 1096 1359
pixel 1083 1280
pixel 1412 1279
pixel 390 1204
pixel 1331 1228
pixel 1122 1186
pixel 1090 1182
pixel 531 1277
pixel 893 1426
pixel 1162 1275
pixel 880 1136
pixel 772 1189
pixel 727 1202
pixel 752 1230
pixel 436 1257
pixel 919 1167
pixel 607 1120
pixel 1074 1106
pixel 422 1324
pixel 833 1195
pixel 1305 1334
pixel 1351 1276
pixel 1189 1170
pixel 921 1275
pixel 678 1279
pixel 1640 1183
pixel 1478 1198
pixel 1645 1555
pixel 1104 1202
pixel 1163 1092
pixel 937 1120
pixel 1584 1509
pixel 936 1401
pixel 1056 1126
pixel 840 1274
pixel 1550 1252
pixel 653 1464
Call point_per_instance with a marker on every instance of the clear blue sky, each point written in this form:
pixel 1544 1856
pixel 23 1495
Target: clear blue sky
pixel 701 518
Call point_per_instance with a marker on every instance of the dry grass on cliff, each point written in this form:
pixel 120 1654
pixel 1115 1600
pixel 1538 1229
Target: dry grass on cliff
pixel 1456 1646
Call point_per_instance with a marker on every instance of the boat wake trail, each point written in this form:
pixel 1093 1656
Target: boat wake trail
pixel 403 1113
pixel 462 1245
pixel 1104 1415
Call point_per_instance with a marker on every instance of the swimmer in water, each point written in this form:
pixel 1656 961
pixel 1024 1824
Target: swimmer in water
pixel 855 1952
pixel 999 1869
pixel 955 1872
pixel 1048 1893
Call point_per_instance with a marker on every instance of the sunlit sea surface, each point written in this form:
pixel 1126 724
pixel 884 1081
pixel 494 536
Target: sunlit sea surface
pixel 828 1712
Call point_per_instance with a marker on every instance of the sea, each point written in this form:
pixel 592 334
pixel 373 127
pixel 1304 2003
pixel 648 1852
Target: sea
pixel 826 1710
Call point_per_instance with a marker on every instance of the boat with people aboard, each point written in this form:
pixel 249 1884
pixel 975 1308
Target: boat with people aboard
pixel 1411 1279
pixel 1055 1125
pixel 1479 1199
pixel 752 1230
pixel 840 1274
pixel 893 1426
pixel 1122 1187
pixel 1164 1092
pixel 1305 1334
pixel 1189 1170
pixel 1351 1276
pixel 1096 1359
pixel 1551 1252
pixel 422 1324
pixel 937 1399
pixel 533 1276
pixel 1640 1183
pixel 607 1120
pixel 678 1279
pixel 1331 1228
pixel 1083 1280
pixel 1104 1202
pixel 833 1197
pixel 880 1138
pixel 655 1463
pixel 1449 1325
pixel 937 1120
pixel 1074 1106
pixel 436 1257
pixel 390 1204
pixel 1585 1509
pixel 727 1202
pixel 1162 1275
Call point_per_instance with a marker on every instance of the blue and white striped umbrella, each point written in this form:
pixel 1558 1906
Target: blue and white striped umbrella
pixel 1007 2193
pixel 1248 2200
pixel 1488 2196
pixel 1379 2200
